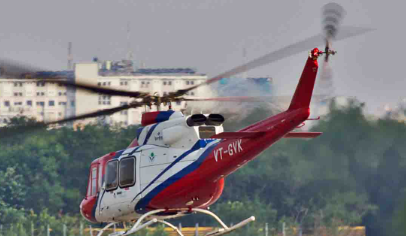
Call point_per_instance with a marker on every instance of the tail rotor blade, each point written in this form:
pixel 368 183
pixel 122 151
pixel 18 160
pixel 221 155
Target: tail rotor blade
pixel 326 83
pixel 332 15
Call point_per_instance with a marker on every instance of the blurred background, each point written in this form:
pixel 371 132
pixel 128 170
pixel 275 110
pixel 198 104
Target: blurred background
pixel 352 176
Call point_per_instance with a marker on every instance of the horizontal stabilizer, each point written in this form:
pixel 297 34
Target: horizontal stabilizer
pixel 238 135
pixel 303 134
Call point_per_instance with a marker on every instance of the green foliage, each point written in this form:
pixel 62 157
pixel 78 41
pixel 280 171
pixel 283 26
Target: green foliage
pixel 354 174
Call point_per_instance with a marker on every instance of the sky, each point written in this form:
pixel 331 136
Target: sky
pixel 210 35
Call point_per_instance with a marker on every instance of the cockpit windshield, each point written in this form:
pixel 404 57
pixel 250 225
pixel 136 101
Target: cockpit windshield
pixel 111 175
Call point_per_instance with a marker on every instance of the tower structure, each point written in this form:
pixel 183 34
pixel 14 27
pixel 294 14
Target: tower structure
pixel 129 49
pixel 70 58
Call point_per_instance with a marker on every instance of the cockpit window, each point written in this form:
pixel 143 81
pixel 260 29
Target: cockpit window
pixel 112 175
pixel 127 172
pixel 207 131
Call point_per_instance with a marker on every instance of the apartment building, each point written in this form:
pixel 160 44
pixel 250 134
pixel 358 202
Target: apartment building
pixel 49 102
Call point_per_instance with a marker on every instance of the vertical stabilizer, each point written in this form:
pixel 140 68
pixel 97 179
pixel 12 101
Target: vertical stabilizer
pixel 304 90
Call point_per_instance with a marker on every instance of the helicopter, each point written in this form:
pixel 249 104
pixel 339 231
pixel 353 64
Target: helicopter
pixel 177 164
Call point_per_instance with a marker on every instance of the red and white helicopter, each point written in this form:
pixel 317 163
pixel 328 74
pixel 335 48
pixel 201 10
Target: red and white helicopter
pixel 176 165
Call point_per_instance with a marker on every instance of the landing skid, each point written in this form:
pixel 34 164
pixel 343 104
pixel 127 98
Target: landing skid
pixel 139 225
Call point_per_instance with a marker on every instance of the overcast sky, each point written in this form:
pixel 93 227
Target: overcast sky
pixel 210 35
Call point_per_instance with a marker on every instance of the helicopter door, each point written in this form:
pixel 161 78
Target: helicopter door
pixel 153 162
pixel 129 184
pixel 121 186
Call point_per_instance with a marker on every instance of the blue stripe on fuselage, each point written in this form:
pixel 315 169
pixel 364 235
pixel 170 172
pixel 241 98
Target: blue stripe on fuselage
pixel 139 131
pixel 164 116
pixel 140 206
pixel 118 154
pixel 149 134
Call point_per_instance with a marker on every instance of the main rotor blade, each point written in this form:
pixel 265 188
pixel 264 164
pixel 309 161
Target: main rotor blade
pixel 97 89
pixel 273 99
pixel 307 44
pixel 241 99
pixel 15 70
pixel 105 112
pixel 7 132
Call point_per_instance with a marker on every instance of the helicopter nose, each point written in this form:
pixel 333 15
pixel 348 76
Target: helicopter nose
pixel 87 209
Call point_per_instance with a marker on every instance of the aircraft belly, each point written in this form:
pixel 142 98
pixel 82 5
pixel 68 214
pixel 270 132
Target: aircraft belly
pixel 188 193
pixel 118 212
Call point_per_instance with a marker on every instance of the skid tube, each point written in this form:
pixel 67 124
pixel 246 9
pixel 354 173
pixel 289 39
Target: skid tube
pixel 138 224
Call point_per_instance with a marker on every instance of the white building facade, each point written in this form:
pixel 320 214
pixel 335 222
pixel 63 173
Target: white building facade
pixel 49 102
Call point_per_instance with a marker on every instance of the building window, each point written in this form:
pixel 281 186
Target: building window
pixel 6 103
pixel 18 103
pixel 123 83
pixel 60 93
pixel 62 103
pixel 178 103
pixel 111 175
pixel 99 84
pixel 187 82
pixel 192 93
pixel 51 103
pixel 108 83
pixel 29 103
pixel 72 103
pixel 104 100
pixel 127 172
pixel 60 113
pixel 15 94
pixel 192 82
pixel 144 84
pixel 169 82
pixel 40 84
pixel 164 82
pixel 41 104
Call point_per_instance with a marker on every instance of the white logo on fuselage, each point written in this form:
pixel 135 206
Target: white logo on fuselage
pixel 232 148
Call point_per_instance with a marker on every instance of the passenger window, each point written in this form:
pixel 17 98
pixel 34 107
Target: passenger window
pixel 94 181
pixel 89 186
pixel 111 175
pixel 127 172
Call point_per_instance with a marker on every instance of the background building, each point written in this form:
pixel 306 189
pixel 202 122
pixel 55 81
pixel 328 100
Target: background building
pixel 45 102
pixel 49 102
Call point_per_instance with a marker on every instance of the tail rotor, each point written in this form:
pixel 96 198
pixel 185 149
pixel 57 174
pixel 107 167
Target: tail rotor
pixel 332 15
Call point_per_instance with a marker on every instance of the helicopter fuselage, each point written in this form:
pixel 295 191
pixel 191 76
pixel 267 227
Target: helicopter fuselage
pixel 176 169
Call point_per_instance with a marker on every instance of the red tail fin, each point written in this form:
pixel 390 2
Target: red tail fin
pixel 304 90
